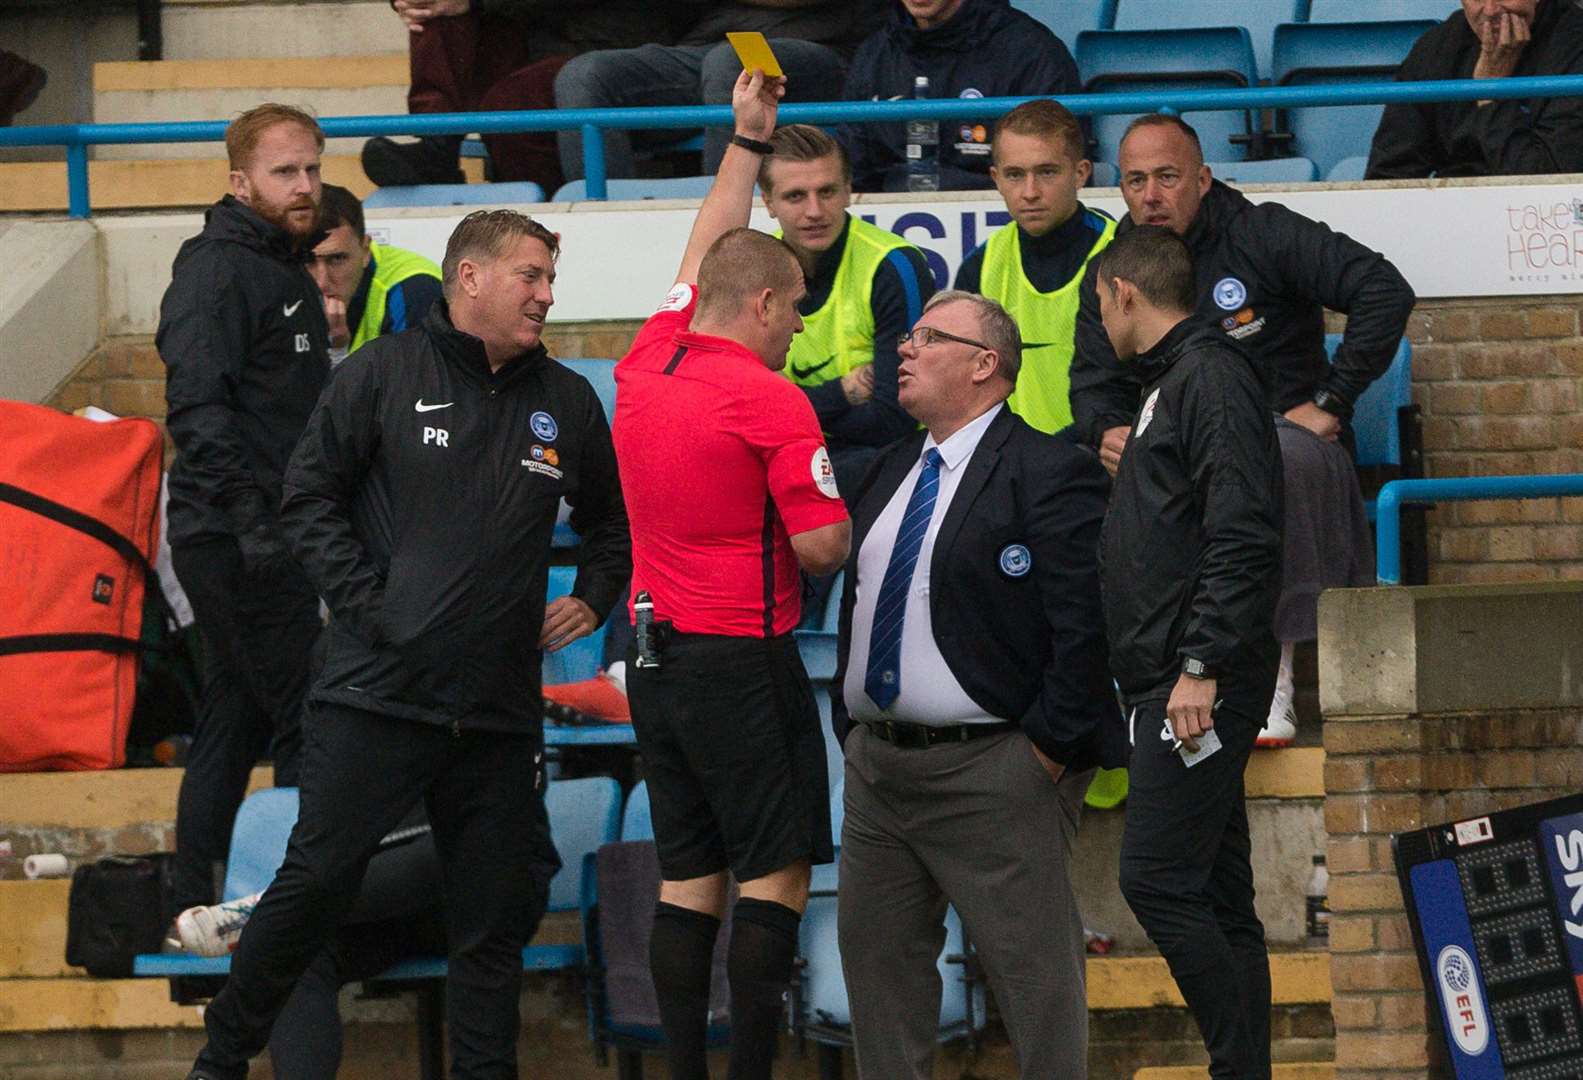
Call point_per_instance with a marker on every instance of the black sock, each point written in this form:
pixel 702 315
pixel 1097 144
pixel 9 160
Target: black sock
pixel 681 951
pixel 759 961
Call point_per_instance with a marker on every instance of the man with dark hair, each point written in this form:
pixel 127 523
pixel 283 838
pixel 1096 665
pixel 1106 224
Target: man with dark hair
pixel 730 492
pixel 1265 276
pixel 421 502
pixel 369 289
pixel 961 48
pixel 243 338
pixel 1191 557
pixel 1488 39
pixel 1034 265
pixel 973 704
pixel 866 287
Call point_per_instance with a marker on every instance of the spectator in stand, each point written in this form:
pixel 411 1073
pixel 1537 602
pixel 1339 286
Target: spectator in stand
pixel 1265 276
pixel 1033 266
pixel 20 83
pixel 966 48
pixel 369 289
pixel 495 55
pixel 866 287
pixel 1488 39
pixel 812 39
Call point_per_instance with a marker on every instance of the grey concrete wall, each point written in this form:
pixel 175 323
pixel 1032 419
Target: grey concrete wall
pixel 49 305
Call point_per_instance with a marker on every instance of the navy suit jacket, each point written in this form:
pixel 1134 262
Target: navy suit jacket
pixel 1014 587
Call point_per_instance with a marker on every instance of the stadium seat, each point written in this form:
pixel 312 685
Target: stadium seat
pixel 1348 168
pixel 675 187
pixel 1329 11
pixel 507 194
pixel 1195 59
pixel 602 373
pixel 258 840
pixel 1292 170
pixel 1068 18
pixel 584 814
pixel 580 659
pixel 1326 54
pixel 637 820
pixel 1105 175
pixel 1258 17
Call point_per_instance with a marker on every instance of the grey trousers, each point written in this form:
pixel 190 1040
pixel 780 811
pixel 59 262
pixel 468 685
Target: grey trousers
pixel 978 825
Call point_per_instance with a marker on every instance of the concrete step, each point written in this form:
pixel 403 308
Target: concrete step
pixel 233 29
pixel 168 90
pixel 1294 1070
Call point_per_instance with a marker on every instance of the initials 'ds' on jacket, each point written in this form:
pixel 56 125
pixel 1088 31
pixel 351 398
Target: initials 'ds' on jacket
pixel 421 502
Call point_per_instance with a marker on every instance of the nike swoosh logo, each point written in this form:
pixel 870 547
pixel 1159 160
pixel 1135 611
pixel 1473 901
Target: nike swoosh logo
pixel 804 372
pixel 421 407
pixel 291 309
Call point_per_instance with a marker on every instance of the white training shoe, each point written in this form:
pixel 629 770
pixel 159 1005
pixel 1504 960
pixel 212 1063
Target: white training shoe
pixel 214 930
pixel 1281 727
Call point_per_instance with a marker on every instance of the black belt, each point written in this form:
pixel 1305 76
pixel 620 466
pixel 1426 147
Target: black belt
pixel 916 736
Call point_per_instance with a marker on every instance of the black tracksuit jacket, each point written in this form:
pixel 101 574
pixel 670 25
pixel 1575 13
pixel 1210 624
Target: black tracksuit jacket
pixel 1190 553
pixel 246 352
pixel 420 502
pixel 1282 270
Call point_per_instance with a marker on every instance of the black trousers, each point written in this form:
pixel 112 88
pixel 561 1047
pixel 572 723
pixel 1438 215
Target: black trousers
pixel 257 638
pixel 1186 874
pixel 361 772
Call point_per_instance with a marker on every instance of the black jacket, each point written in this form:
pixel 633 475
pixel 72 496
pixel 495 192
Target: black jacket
pixel 1191 554
pixel 246 352
pixel 1029 647
pixel 421 502
pixel 1265 275
pixel 985 50
pixel 1463 138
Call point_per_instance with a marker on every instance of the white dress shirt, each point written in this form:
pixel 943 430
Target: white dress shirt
pixel 930 693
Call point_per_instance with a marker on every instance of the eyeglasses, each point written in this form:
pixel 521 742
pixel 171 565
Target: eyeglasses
pixel 924 336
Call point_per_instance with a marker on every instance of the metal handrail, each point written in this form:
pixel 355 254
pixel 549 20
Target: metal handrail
pixel 76 138
pixel 1394 495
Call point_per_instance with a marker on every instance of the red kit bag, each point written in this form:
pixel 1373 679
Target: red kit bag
pixel 79 512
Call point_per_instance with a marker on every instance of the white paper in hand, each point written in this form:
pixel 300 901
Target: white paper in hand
pixel 1208 743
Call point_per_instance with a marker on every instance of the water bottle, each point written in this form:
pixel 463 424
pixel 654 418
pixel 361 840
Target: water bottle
pixel 923 145
pixel 1318 905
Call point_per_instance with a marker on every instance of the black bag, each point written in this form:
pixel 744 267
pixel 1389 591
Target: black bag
pixel 119 907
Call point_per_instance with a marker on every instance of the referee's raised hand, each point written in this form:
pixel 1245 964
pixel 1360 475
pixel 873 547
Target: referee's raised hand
pixel 754 102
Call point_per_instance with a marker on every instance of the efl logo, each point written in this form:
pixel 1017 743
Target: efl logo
pixel 1464 1004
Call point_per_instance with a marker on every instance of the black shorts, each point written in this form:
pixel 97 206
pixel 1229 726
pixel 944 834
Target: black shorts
pixel 733 756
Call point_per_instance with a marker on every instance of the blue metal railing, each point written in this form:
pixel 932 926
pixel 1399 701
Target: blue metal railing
pixel 76 138
pixel 1394 495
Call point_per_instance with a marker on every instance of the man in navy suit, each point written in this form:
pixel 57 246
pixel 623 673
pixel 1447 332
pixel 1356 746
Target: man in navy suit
pixel 973 701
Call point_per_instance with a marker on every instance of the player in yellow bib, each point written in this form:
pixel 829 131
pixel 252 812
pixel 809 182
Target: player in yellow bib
pixel 866 287
pixel 1034 265
pixel 369 289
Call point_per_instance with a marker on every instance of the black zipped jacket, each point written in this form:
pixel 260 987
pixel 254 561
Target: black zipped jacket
pixel 246 352
pixel 420 502
pixel 1190 552
pixel 1264 276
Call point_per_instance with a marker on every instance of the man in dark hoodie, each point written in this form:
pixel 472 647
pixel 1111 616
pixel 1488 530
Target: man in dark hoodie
pixel 1488 39
pixel 245 345
pixel 965 48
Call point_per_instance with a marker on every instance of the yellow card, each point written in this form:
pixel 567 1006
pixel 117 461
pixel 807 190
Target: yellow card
pixel 754 52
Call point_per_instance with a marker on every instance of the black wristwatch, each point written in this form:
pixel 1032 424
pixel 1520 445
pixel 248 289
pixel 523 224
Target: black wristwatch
pixel 1332 404
pixel 1196 669
pixel 754 145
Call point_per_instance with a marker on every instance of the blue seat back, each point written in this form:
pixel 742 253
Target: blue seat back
pixel 580 659
pixel 258 840
pixel 1325 11
pixel 1376 420
pixel 1293 170
pixel 584 813
pixel 602 374
pixel 517 191
pixel 1068 18
pixel 1258 17
pixel 1105 175
pixel 637 820
pixel 1348 168
pixel 1138 60
pixel 1327 54
pixel 674 187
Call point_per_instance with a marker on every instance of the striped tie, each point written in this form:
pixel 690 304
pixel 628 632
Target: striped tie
pixel 882 680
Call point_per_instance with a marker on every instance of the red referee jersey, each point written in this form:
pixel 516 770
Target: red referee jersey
pixel 721 462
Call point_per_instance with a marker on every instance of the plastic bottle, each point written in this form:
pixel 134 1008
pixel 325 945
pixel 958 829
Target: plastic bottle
pixel 1318 894
pixel 923 145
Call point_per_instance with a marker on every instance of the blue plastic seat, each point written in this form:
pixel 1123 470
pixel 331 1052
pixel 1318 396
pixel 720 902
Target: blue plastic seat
pixel 1068 18
pixel 1327 54
pixel 258 840
pixel 505 194
pixel 1377 414
pixel 1347 169
pixel 1330 11
pixel 1105 175
pixel 1214 58
pixel 1292 170
pixel 675 187
pixel 580 659
pixel 637 819
pixel 1258 17
pixel 584 813
pixel 602 373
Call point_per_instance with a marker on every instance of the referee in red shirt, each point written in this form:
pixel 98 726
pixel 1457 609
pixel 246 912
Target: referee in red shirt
pixel 729 491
